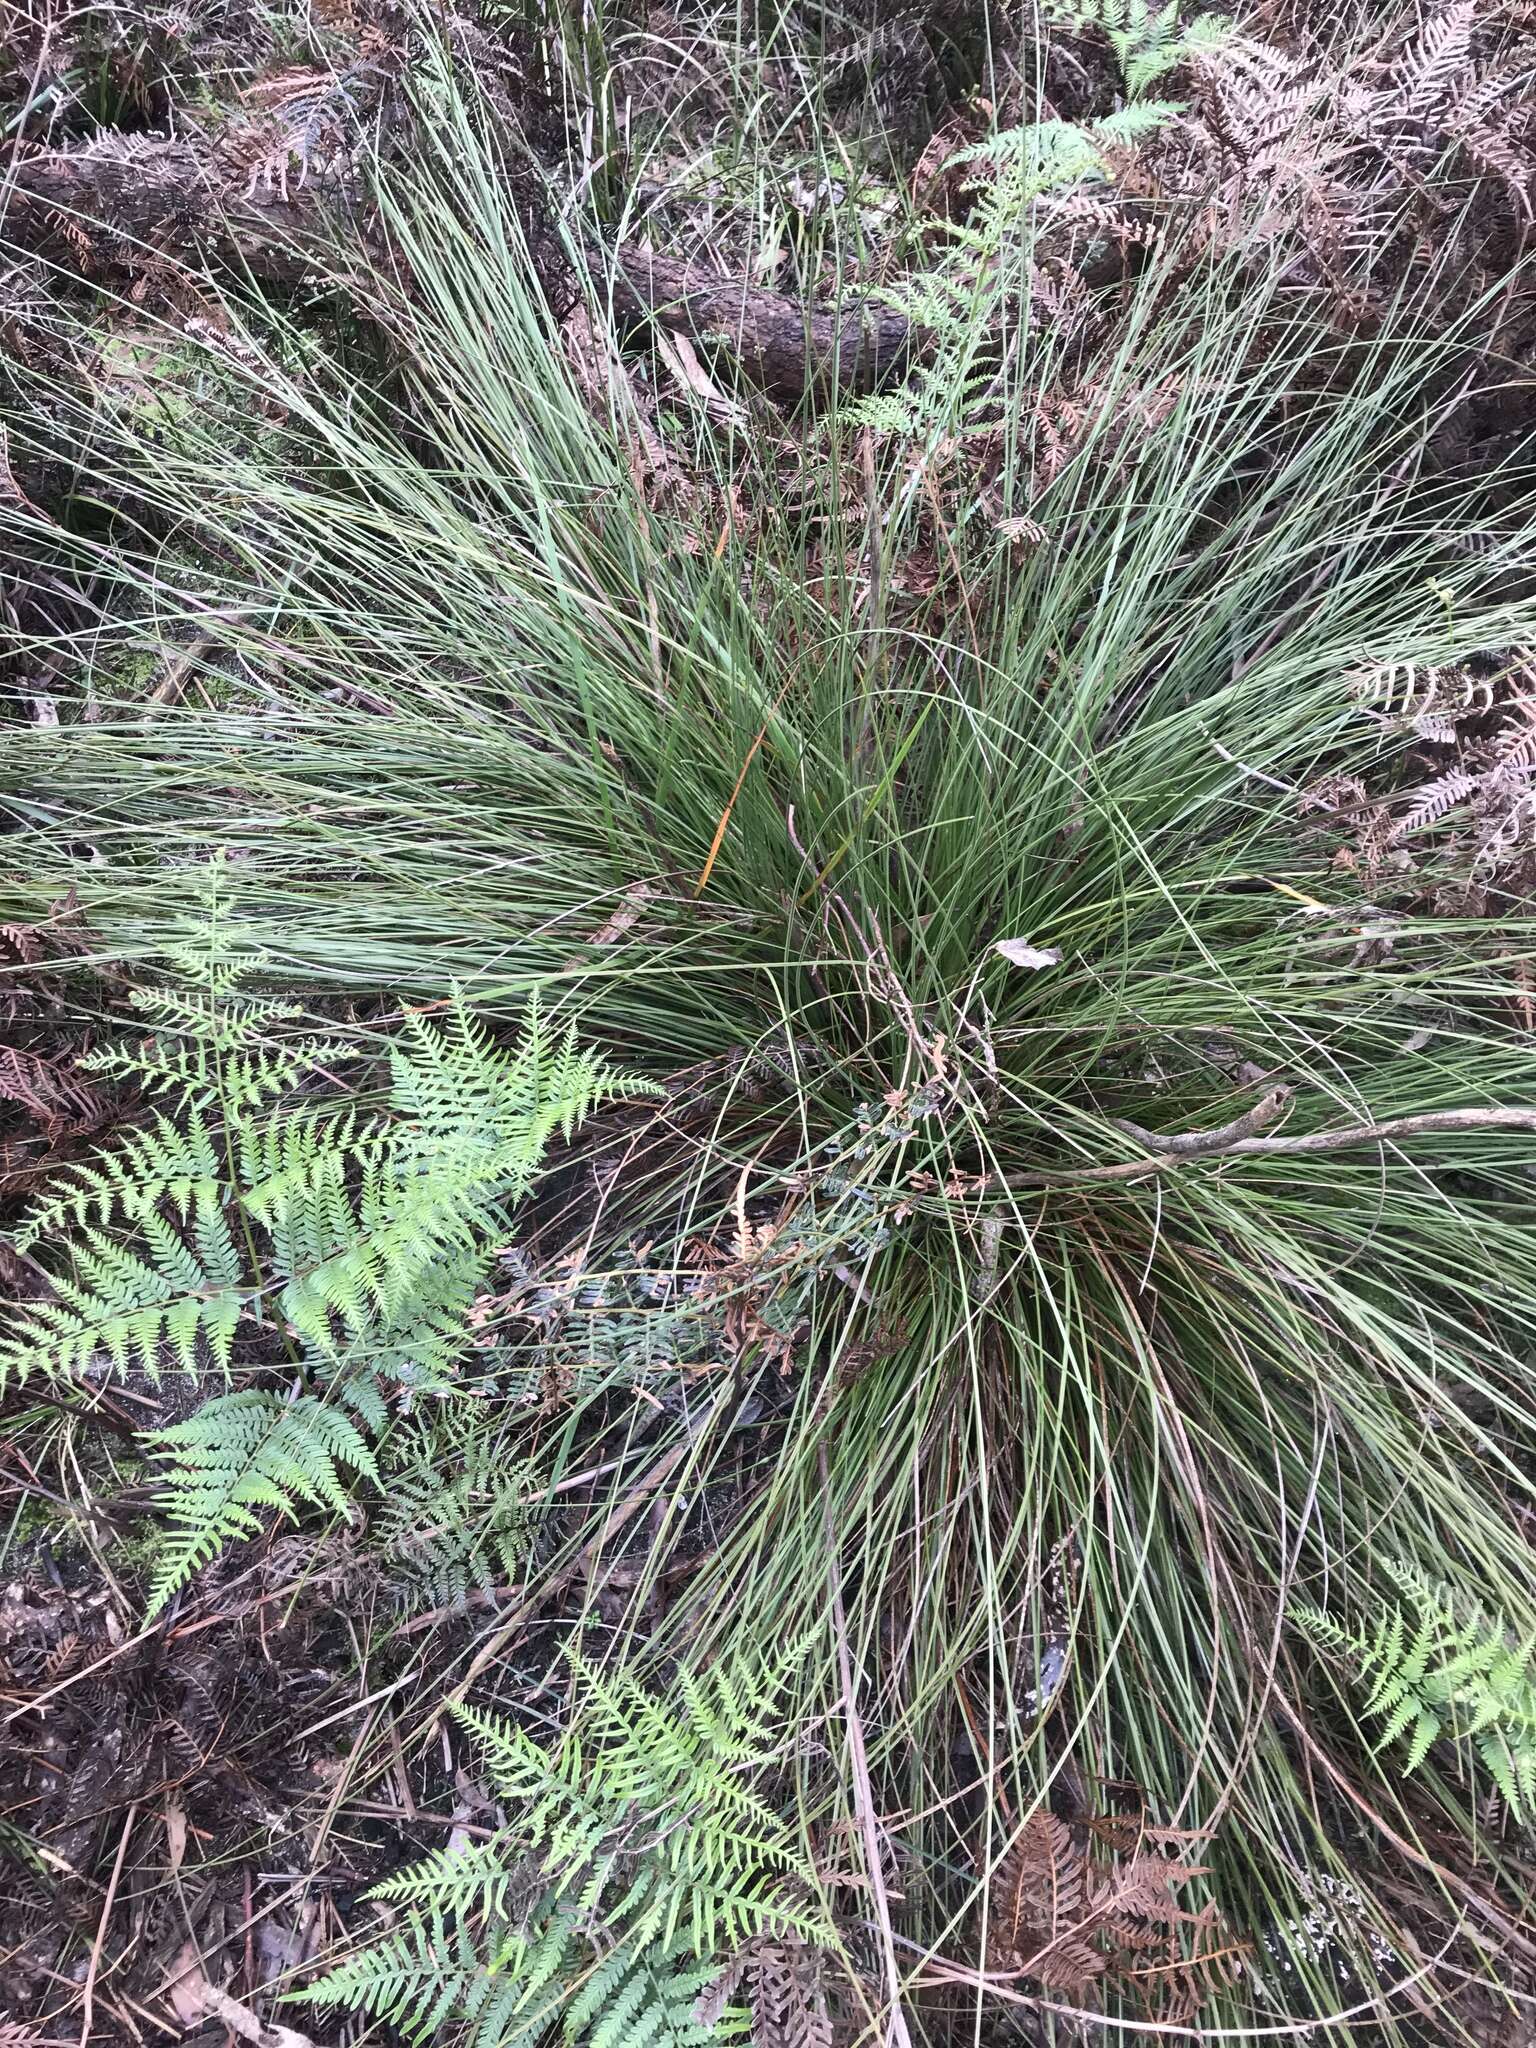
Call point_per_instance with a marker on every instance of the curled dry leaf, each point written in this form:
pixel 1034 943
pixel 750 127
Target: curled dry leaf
pixel 1020 953
pixel 193 1998
pixel 175 1835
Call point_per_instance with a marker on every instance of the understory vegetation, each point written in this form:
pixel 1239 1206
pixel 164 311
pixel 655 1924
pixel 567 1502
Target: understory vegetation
pixel 767 1115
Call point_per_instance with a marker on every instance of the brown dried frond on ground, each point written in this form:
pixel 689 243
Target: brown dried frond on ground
pixel 1367 162
pixel 304 124
pixel 201 1730
pixel 783 1982
pixel 63 69
pixel 59 1103
pixel 1460 805
pixel 46 1101
pixel 1355 156
pixel 1076 1907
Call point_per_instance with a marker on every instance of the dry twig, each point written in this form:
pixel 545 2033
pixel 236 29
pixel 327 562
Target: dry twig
pixel 1236 1140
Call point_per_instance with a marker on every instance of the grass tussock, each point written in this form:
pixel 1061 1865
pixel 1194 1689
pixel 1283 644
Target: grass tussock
pixel 955 839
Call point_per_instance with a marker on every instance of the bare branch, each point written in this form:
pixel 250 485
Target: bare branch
pixel 1192 1143
pixel 1234 1140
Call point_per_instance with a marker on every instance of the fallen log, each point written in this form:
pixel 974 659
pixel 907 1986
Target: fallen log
pixel 787 348
pixel 125 202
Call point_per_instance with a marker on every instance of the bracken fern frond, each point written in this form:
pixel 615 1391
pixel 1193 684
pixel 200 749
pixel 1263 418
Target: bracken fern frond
pixel 239 1454
pixel 262 1203
pixel 455 1516
pixel 640 1857
pixel 1147 40
pixel 1435 1664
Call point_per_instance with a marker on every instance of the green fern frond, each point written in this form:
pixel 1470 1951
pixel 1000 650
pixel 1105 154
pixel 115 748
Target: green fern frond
pixel 644 1996
pixel 468 1882
pixel 214 1045
pixel 968 292
pixel 268 1200
pixel 165 1162
pixel 1320 1627
pixel 240 1453
pixel 413 1977
pixel 456 1089
pixel 638 1854
pixel 1438 1665
pixel 132 1310
pixel 1133 124
pixel 302 1155
pixel 1147 40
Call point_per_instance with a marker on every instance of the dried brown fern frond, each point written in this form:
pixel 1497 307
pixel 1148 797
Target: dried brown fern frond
pixel 1039 1900
pixel 1431 702
pixel 1176 1989
pixel 1114 221
pixel 58 1102
pixel 1256 101
pixel 1098 1905
pixel 1485 713
pixel 1507 758
pixel 1505 765
pixel 22 943
pixel 1493 123
pixel 1433 801
pixel 1434 66
pixel 307 124
pixel 45 1100
pixel 781 1980
pixel 1060 291
pixel 1507 80
pixel 1413 150
pixel 1509 832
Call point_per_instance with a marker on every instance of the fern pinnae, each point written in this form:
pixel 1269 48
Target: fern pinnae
pixel 361 1233
pixel 456 1513
pixel 162 1162
pixel 1431 67
pixel 243 1452
pixel 414 1976
pixel 648 1859
pixel 474 1878
pixel 1435 1665
pixel 1147 41
pixel 1433 801
pixel 967 302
